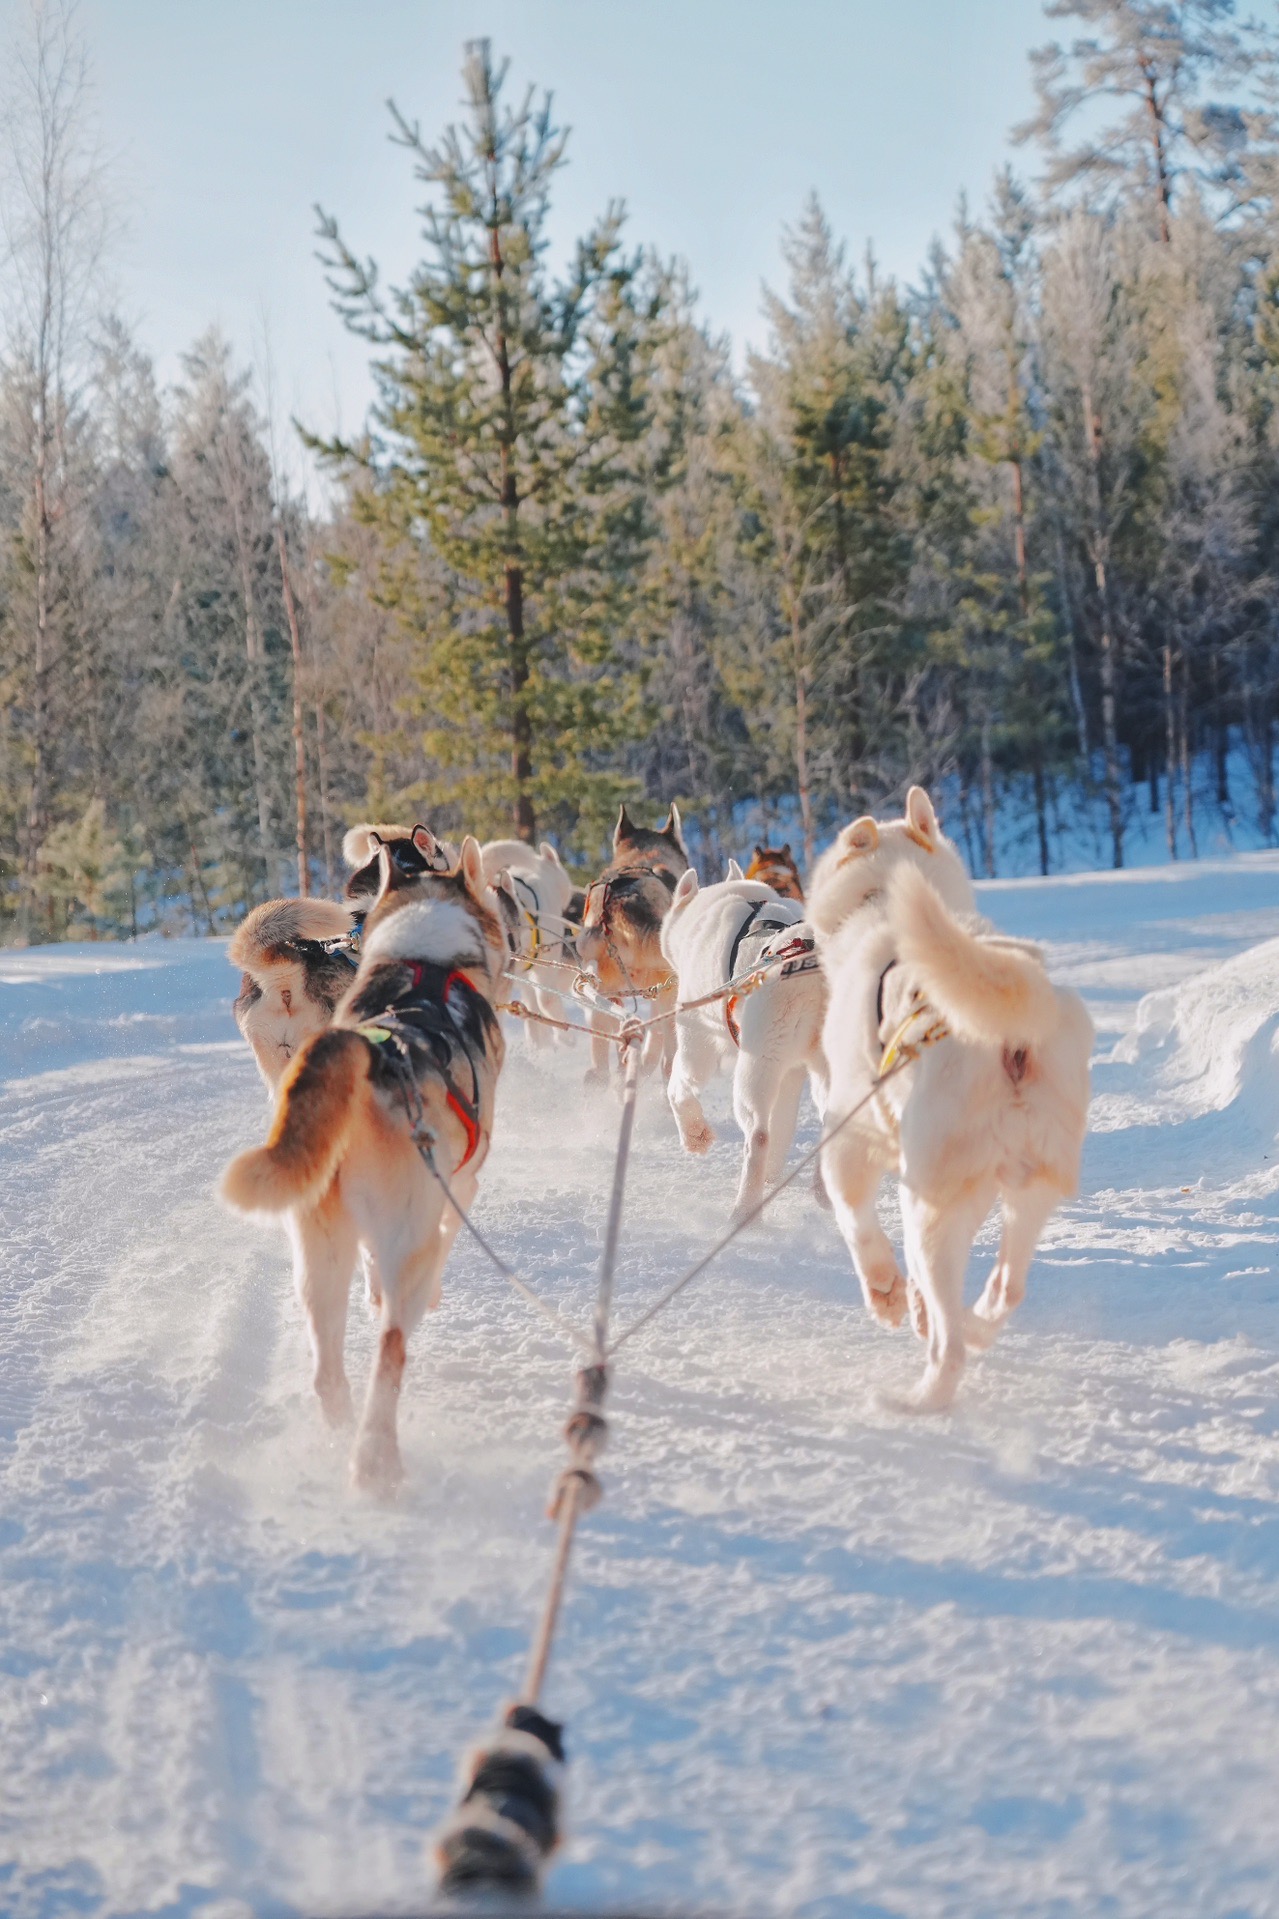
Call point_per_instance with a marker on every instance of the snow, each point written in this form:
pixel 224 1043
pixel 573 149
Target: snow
pixel 815 1660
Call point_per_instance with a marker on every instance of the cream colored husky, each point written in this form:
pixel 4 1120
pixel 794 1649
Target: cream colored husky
pixel 417 1034
pixel 997 1110
pixel 770 1039
pixel 533 894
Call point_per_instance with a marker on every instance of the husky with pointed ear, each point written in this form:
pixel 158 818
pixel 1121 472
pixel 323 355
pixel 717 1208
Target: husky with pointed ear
pixel 417 1037
pixel 299 955
pixel 536 896
pixel 996 1110
pixel 414 849
pixel 620 941
pixel 775 865
pixel 769 1039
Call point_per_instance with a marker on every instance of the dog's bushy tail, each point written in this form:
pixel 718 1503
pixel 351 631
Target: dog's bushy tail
pixel 264 938
pixel 313 1120
pixel 988 990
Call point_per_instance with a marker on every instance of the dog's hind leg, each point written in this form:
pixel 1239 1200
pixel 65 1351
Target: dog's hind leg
pixel 852 1181
pixel 757 1089
pixel 783 1121
pixel 819 1092
pixel 696 1059
pixel 410 1284
pixel 938 1242
pixel 324 1249
pixel 1026 1212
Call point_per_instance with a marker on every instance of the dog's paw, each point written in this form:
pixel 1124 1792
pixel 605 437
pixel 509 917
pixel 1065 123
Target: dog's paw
pixel 935 1393
pixel 887 1303
pixel 697 1137
pixel 335 1402
pixel 980 1332
pixel 376 1468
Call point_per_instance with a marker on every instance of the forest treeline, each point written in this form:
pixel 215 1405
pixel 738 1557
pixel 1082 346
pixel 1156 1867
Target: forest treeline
pixel 1012 532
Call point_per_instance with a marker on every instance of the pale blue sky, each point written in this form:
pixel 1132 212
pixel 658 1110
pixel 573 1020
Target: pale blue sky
pixel 712 118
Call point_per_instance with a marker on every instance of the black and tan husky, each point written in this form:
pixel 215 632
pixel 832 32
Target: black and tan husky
pixel 415 1042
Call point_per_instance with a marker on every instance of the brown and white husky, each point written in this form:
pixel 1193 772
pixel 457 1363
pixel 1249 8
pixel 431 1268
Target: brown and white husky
pixel 775 865
pixel 416 1036
pixel 298 956
pixel 296 962
pixel 621 936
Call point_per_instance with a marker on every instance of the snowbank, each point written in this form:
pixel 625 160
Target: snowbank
pixel 1210 1042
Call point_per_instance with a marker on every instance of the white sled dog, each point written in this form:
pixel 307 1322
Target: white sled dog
pixel 770 1039
pixel 417 1031
pixel 996 1110
pixel 535 909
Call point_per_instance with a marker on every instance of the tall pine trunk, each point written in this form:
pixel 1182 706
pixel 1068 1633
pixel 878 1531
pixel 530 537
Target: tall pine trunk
pixel 253 651
pixel 299 737
pixel 1108 642
pixel 38 797
pixel 1170 753
pixel 525 819
pixel 801 736
pixel 987 797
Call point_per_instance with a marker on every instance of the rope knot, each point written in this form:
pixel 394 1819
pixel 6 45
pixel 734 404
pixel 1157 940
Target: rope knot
pixel 586 1432
pixel 578 1479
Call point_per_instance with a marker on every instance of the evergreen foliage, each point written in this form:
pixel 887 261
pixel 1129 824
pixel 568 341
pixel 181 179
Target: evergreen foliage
pixel 1012 531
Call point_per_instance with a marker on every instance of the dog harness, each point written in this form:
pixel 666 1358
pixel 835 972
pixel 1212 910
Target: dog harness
pixel 800 955
pixel 424 1020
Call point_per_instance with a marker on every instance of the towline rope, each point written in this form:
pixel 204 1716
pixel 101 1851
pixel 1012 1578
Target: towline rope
pixel 507 1822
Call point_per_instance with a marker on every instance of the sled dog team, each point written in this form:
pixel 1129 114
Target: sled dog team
pixel 376 1025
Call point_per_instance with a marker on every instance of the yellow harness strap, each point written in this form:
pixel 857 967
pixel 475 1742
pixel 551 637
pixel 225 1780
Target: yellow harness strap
pixel 923 1026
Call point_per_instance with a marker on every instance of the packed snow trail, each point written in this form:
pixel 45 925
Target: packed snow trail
pixel 1022 1660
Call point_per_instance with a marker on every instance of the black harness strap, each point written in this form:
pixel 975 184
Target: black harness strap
pixel 430 1017
pixel 748 929
pixel 879 993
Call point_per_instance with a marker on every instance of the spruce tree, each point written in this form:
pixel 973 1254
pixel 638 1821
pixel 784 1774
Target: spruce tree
pixel 507 439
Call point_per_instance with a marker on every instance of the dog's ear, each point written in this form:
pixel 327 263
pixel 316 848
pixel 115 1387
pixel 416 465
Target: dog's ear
pixel 734 871
pixel 392 877
pixel 548 853
pixel 505 884
pixel 471 866
pixel 426 843
pixel 921 820
pixel 670 829
pixel 860 838
pixel 685 891
pixel 624 830
pixel 760 853
pixel 786 852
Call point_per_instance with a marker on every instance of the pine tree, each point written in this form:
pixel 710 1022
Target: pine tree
pixel 508 438
pixel 1153 59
